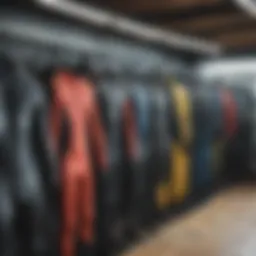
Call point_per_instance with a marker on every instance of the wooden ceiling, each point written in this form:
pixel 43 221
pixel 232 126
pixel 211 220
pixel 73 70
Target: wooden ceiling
pixel 219 20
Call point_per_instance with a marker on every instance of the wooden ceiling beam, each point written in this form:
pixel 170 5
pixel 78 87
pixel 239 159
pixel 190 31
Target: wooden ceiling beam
pixel 169 15
pixel 208 23
pixel 238 39
pixel 246 24
pixel 131 6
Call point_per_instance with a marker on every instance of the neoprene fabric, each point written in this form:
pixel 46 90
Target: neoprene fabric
pixel 206 126
pixel 132 186
pixel 161 145
pixel 128 149
pixel 77 178
pixel 111 185
pixel 30 164
pixel 141 102
pixel 180 170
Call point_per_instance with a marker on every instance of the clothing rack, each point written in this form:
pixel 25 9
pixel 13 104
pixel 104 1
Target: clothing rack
pixel 94 16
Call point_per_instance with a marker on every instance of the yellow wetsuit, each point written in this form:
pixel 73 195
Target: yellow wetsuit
pixel 178 185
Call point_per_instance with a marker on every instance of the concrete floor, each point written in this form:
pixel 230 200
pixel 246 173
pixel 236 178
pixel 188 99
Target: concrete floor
pixel 225 225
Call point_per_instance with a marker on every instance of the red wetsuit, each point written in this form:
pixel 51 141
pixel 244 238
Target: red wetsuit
pixel 75 96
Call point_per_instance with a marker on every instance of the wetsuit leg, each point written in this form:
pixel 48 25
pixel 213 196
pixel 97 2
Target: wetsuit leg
pixel 32 219
pixel 110 224
pixel 87 210
pixel 69 212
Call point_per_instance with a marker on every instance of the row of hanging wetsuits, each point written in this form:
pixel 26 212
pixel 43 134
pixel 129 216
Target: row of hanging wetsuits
pixel 88 163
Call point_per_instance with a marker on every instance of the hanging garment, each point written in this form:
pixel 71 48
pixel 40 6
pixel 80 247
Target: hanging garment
pixel 140 99
pixel 8 236
pixel 131 167
pixel 74 101
pixel 112 96
pixel 238 144
pixel 216 117
pixel 205 120
pixel 179 182
pixel 230 113
pixel 160 162
pixel 230 123
pixel 32 168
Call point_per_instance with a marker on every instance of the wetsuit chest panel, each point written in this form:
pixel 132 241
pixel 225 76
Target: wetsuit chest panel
pixel 65 95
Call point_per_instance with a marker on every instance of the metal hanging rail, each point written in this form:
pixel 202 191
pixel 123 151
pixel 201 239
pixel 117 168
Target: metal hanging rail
pixel 120 24
pixel 27 36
